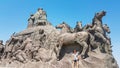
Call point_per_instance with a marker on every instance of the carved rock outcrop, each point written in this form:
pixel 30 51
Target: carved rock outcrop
pixel 41 45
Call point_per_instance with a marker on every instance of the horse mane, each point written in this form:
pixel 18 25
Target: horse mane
pixel 70 28
pixel 67 26
pixel 96 18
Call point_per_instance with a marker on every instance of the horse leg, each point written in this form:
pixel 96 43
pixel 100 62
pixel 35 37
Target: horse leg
pixel 58 48
pixel 85 46
pixel 99 35
pixel 58 52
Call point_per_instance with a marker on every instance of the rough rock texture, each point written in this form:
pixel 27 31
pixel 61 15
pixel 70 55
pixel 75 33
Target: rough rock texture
pixel 46 38
pixel 95 60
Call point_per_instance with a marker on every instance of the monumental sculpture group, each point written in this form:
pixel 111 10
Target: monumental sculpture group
pixel 42 45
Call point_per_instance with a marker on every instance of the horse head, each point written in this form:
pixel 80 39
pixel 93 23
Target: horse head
pixel 62 25
pixel 106 28
pixel 79 23
pixel 100 15
pixel 65 27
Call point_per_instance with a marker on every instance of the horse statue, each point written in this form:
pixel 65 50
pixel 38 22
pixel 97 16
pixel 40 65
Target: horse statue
pixel 97 26
pixel 107 46
pixel 98 18
pixel 81 38
pixel 65 28
pixel 106 28
pixel 78 27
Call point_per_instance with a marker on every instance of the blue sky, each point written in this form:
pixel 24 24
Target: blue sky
pixel 14 15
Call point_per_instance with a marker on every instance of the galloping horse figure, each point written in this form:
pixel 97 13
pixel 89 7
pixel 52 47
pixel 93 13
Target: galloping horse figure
pixel 70 38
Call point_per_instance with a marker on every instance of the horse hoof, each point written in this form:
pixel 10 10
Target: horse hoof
pixel 58 59
pixel 83 56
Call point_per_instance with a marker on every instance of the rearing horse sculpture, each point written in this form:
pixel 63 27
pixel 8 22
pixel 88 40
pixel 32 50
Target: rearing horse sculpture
pixel 97 26
pixel 66 38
